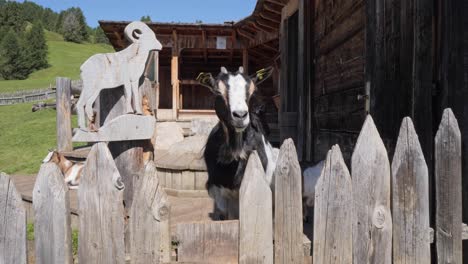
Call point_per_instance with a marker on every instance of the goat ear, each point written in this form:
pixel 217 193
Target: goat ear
pixel 207 80
pixel 241 69
pixel 262 75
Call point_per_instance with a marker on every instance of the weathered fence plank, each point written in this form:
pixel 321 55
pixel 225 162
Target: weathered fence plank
pixel 448 190
pixel 64 129
pixel 410 181
pixel 372 224
pixel 150 208
pixel 288 206
pixel 410 195
pixel 333 242
pixel 208 242
pixel 52 231
pixel 255 214
pixel 12 223
pixel 100 197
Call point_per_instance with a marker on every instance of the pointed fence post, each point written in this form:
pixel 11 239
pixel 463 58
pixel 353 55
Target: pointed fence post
pixel 288 206
pixel 333 242
pixel 52 230
pixel 255 211
pixel 372 224
pixel 100 197
pixel 12 223
pixel 411 243
pixel 149 210
pixel 448 190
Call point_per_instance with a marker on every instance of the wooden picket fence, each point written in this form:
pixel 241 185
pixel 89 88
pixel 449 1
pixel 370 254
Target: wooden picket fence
pixel 379 213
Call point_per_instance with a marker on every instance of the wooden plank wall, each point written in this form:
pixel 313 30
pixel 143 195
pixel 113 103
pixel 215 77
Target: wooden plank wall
pixel 339 53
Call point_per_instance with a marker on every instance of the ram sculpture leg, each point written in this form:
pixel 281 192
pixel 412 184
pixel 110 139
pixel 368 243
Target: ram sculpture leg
pixel 90 102
pixel 136 98
pixel 81 104
pixel 128 97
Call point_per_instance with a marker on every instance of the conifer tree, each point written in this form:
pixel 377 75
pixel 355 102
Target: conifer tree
pixel 36 48
pixel 13 63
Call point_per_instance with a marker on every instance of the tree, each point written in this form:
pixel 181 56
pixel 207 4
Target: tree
pixel 59 22
pixel 74 26
pixel 145 19
pixel 100 36
pixel 36 47
pixel 49 19
pixel 13 64
pixel 11 16
pixel 71 28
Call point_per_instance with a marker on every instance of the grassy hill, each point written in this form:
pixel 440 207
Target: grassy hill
pixel 26 137
pixel 65 59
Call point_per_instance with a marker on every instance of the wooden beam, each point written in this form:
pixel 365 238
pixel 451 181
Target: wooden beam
pixel 175 75
pixel 278 3
pixel 205 53
pixel 269 18
pixel 266 45
pixel 233 40
pixel 271 9
pixel 266 25
pixel 245 60
pixel 245 34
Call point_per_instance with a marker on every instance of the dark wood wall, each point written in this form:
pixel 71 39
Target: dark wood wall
pixel 338 41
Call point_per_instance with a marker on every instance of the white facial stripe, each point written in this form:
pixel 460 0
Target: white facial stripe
pixel 237 93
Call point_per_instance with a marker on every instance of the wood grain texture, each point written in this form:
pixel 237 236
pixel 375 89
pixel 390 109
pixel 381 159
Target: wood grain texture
pixel 288 206
pixel 64 129
pixel 410 199
pixel 12 223
pixel 150 208
pixel 255 214
pixel 333 242
pixel 52 229
pixel 122 128
pixel 448 190
pixel 372 224
pixel 208 242
pixel 101 209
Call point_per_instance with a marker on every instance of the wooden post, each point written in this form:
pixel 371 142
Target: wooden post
pixel 372 224
pixel 150 209
pixel 255 211
pixel 245 60
pixel 52 230
pixel 410 199
pixel 175 75
pixel 333 242
pixel 64 129
pixel 288 206
pixel 12 223
pixel 448 190
pixel 100 199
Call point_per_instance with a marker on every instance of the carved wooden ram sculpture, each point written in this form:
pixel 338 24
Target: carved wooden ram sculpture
pixel 112 70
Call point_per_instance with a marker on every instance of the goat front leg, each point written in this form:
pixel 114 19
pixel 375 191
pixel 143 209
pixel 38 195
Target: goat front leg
pixel 128 97
pixel 136 98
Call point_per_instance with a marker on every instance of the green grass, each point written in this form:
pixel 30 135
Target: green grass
pixel 65 59
pixel 25 137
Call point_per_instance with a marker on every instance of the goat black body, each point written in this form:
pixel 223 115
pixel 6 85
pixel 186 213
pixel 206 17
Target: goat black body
pixel 226 156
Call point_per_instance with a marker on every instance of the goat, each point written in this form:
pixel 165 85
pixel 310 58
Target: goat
pixel 71 171
pixel 311 176
pixel 238 133
pixel 112 70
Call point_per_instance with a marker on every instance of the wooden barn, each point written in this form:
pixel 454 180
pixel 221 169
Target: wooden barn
pixel 335 62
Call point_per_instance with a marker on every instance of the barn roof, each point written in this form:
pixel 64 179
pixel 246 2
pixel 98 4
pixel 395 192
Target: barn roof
pixel 258 33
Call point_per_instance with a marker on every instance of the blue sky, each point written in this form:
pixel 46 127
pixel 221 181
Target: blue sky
pixel 209 11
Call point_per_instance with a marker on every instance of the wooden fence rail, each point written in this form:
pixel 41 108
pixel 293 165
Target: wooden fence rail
pixel 375 214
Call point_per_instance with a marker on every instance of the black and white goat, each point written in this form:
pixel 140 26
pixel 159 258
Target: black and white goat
pixel 233 139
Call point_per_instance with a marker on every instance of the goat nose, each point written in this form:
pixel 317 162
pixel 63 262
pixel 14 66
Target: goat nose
pixel 240 114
